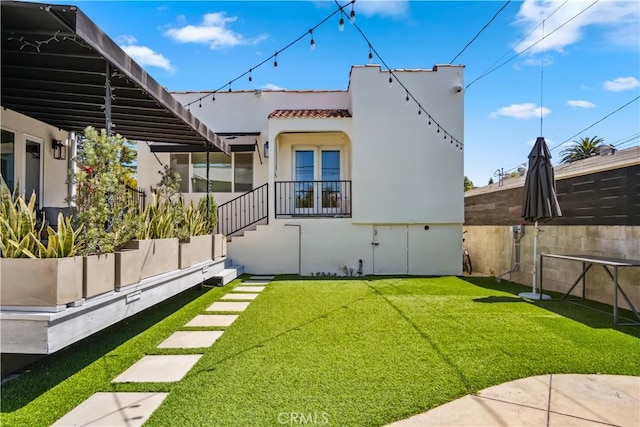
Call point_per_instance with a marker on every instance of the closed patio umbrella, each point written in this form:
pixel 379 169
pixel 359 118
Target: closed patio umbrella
pixel 539 201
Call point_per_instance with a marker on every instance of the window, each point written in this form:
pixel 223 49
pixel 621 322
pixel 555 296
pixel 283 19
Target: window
pixel 226 174
pixel 7 156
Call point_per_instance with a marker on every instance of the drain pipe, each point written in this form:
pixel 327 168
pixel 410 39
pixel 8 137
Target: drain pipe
pixel 518 232
pixel 299 246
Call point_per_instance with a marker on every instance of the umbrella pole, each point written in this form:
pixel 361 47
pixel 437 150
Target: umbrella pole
pixel 534 272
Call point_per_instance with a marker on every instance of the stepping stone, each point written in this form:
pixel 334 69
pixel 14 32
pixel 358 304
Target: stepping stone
pixel 228 306
pixel 240 297
pixel 113 409
pixel 255 283
pixel 248 289
pixel 158 369
pixel 191 339
pixel 262 277
pixel 213 320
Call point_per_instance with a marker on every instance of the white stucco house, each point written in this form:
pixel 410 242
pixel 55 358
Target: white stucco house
pixel 332 182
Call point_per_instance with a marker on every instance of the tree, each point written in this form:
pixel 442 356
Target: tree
pixel 582 149
pixel 468 184
pixel 490 181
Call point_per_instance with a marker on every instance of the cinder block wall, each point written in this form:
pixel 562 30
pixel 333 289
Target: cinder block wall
pixel 492 253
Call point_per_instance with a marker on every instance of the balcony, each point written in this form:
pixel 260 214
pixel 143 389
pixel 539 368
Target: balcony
pixel 328 199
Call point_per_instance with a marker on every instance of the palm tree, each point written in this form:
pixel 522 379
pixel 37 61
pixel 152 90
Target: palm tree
pixel 582 149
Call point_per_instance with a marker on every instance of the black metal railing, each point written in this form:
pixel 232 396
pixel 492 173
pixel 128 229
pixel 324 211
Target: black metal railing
pixel 243 211
pixel 313 198
pixel 136 197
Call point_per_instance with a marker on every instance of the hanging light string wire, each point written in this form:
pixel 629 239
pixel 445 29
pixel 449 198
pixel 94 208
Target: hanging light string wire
pixel 274 56
pixel 481 30
pixel 393 75
pixel 491 70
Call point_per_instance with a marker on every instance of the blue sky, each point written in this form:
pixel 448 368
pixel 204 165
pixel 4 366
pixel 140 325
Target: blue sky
pixel 591 63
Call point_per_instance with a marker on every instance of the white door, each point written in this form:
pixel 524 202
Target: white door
pixel 317 174
pixel 390 249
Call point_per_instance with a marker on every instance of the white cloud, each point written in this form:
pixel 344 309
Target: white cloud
pixel 524 111
pixel 213 31
pixel 271 86
pixel 614 17
pixel 386 8
pixel 579 103
pixel 143 55
pixel 621 83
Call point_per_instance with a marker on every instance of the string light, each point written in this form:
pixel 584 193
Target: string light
pixel 250 78
pixel 341 24
pixel 275 61
pixel 229 86
pixel 213 97
pixel 406 100
pixel 200 103
pixel 313 42
pixel 419 109
pixel 352 15
pixel 370 55
pixel 390 80
pixel 429 120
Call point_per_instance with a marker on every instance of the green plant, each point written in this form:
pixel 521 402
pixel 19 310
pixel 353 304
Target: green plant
pixel 20 233
pixel 101 200
pixel 213 212
pixel 159 219
pixel 584 148
pixel 195 221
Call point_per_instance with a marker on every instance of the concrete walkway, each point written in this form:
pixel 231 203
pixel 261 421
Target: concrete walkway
pixel 545 400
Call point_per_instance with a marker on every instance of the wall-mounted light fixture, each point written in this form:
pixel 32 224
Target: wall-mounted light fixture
pixel 59 149
pixel 266 150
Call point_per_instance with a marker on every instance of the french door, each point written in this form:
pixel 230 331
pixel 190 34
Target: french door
pixel 317 175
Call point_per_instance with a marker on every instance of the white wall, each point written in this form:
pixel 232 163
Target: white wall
pixel 404 171
pixel 54 188
pixel 328 244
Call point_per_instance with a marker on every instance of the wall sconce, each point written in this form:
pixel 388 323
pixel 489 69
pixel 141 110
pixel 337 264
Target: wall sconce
pixel 59 149
pixel 266 150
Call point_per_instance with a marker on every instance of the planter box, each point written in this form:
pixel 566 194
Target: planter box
pixel 140 259
pixel 51 283
pixel 195 249
pixel 219 245
pixel 99 274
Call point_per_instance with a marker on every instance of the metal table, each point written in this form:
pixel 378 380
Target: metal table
pixel 587 262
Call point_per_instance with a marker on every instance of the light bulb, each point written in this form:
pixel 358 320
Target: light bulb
pixel 341 25
pixel 250 77
pixel 313 44
pixel 352 16
pixel 275 61
pixel 390 82
pixel 406 100
pixel 213 97
pixel 370 57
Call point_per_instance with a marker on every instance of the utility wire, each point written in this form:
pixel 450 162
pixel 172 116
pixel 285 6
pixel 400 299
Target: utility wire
pixel 595 123
pixel 521 40
pixel 529 47
pixel 481 30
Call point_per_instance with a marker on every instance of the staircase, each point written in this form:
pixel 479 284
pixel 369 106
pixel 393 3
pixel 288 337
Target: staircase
pixel 230 272
pixel 244 212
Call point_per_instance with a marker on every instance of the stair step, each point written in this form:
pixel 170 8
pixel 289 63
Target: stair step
pixel 229 273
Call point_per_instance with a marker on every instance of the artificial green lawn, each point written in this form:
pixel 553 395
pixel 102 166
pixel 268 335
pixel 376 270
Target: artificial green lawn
pixel 351 352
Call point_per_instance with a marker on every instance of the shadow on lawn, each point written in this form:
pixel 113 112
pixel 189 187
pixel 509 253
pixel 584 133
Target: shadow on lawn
pixel 590 313
pixel 46 373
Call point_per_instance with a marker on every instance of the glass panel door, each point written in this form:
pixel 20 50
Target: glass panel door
pixel 32 170
pixel 304 175
pixel 330 176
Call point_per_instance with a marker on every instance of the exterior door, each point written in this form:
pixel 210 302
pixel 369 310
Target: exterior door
pixel 33 167
pixel 390 249
pixel 317 174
